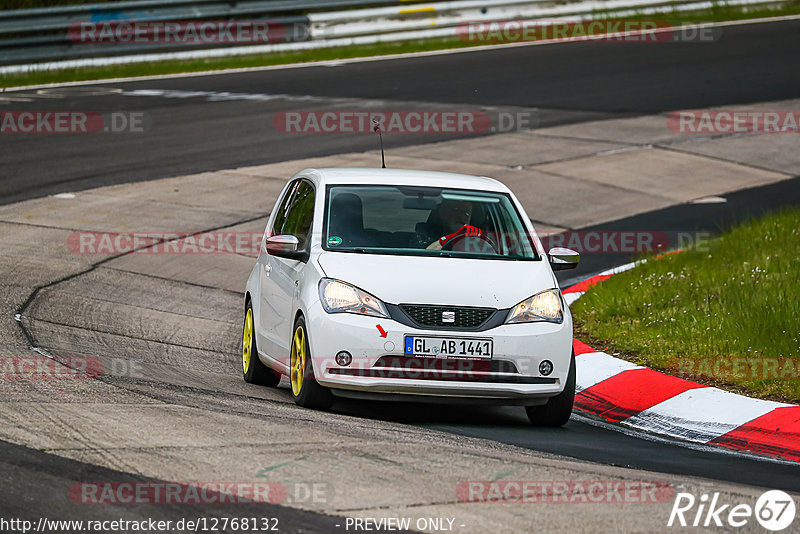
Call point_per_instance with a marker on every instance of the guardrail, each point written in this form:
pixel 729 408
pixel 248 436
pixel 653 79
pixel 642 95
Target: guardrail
pixel 43 34
pixel 44 39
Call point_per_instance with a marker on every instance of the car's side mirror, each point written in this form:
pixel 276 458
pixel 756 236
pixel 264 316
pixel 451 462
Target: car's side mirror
pixel 563 258
pixel 285 246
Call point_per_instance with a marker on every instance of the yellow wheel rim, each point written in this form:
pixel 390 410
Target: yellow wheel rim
pixel 247 340
pixel 297 361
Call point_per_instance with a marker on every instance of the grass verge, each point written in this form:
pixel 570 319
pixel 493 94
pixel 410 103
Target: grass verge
pixel 719 12
pixel 726 312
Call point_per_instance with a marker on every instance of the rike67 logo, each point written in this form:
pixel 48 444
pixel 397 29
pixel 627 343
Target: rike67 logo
pixel 774 510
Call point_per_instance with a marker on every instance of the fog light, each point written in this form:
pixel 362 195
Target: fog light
pixel 343 358
pixel 546 367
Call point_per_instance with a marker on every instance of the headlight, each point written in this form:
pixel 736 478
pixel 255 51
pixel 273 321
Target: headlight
pixel 339 297
pixel 544 306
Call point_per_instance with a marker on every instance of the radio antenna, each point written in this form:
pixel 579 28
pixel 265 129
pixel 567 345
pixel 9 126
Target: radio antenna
pixel 377 128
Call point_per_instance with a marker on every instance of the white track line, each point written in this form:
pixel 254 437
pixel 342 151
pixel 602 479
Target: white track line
pixel 594 367
pixel 701 414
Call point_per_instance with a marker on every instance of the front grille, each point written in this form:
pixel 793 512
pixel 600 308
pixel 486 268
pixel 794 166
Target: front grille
pixel 432 315
pixel 440 364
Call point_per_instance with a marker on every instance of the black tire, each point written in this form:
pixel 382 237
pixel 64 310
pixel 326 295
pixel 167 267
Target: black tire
pixel 558 409
pixel 255 372
pixel 311 394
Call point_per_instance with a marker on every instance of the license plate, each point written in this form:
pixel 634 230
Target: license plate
pixel 448 347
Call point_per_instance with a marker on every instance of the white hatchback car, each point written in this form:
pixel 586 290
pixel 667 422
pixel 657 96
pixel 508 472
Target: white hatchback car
pixel 408 285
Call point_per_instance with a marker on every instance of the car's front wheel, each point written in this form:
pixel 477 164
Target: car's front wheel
pixel 305 390
pixel 558 409
pixel 253 370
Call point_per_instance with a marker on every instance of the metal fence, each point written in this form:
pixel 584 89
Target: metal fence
pixel 49 34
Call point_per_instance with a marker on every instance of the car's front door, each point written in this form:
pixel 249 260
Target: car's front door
pixel 280 276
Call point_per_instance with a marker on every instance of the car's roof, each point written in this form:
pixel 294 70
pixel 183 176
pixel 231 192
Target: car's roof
pixel 377 176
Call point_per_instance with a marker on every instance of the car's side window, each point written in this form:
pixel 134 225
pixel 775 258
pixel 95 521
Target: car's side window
pixel 295 218
pixel 283 208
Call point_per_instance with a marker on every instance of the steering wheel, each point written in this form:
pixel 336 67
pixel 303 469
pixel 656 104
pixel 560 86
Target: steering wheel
pixel 461 237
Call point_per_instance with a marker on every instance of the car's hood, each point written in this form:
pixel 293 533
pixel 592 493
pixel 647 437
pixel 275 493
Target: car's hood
pixel 448 281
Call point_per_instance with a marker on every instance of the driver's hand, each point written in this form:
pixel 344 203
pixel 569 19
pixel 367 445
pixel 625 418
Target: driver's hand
pixel 467 230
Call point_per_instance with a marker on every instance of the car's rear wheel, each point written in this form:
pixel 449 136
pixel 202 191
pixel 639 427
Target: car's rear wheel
pixel 305 390
pixel 558 409
pixel 253 370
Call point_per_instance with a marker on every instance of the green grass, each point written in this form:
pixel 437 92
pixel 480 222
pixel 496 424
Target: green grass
pixel 719 12
pixel 732 299
pixel 233 62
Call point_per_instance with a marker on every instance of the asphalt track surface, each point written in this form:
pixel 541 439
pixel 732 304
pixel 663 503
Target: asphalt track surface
pixel 42 482
pixel 563 83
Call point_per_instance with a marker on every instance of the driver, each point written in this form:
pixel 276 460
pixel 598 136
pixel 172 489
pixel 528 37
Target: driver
pixel 454 216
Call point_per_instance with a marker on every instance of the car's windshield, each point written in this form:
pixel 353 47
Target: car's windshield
pixel 430 221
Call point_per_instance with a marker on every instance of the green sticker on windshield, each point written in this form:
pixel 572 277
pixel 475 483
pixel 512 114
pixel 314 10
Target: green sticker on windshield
pixel 333 241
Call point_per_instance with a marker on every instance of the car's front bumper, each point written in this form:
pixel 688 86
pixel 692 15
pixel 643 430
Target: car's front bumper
pixel 380 365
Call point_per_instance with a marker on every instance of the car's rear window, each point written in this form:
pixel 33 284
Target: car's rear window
pixel 415 220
